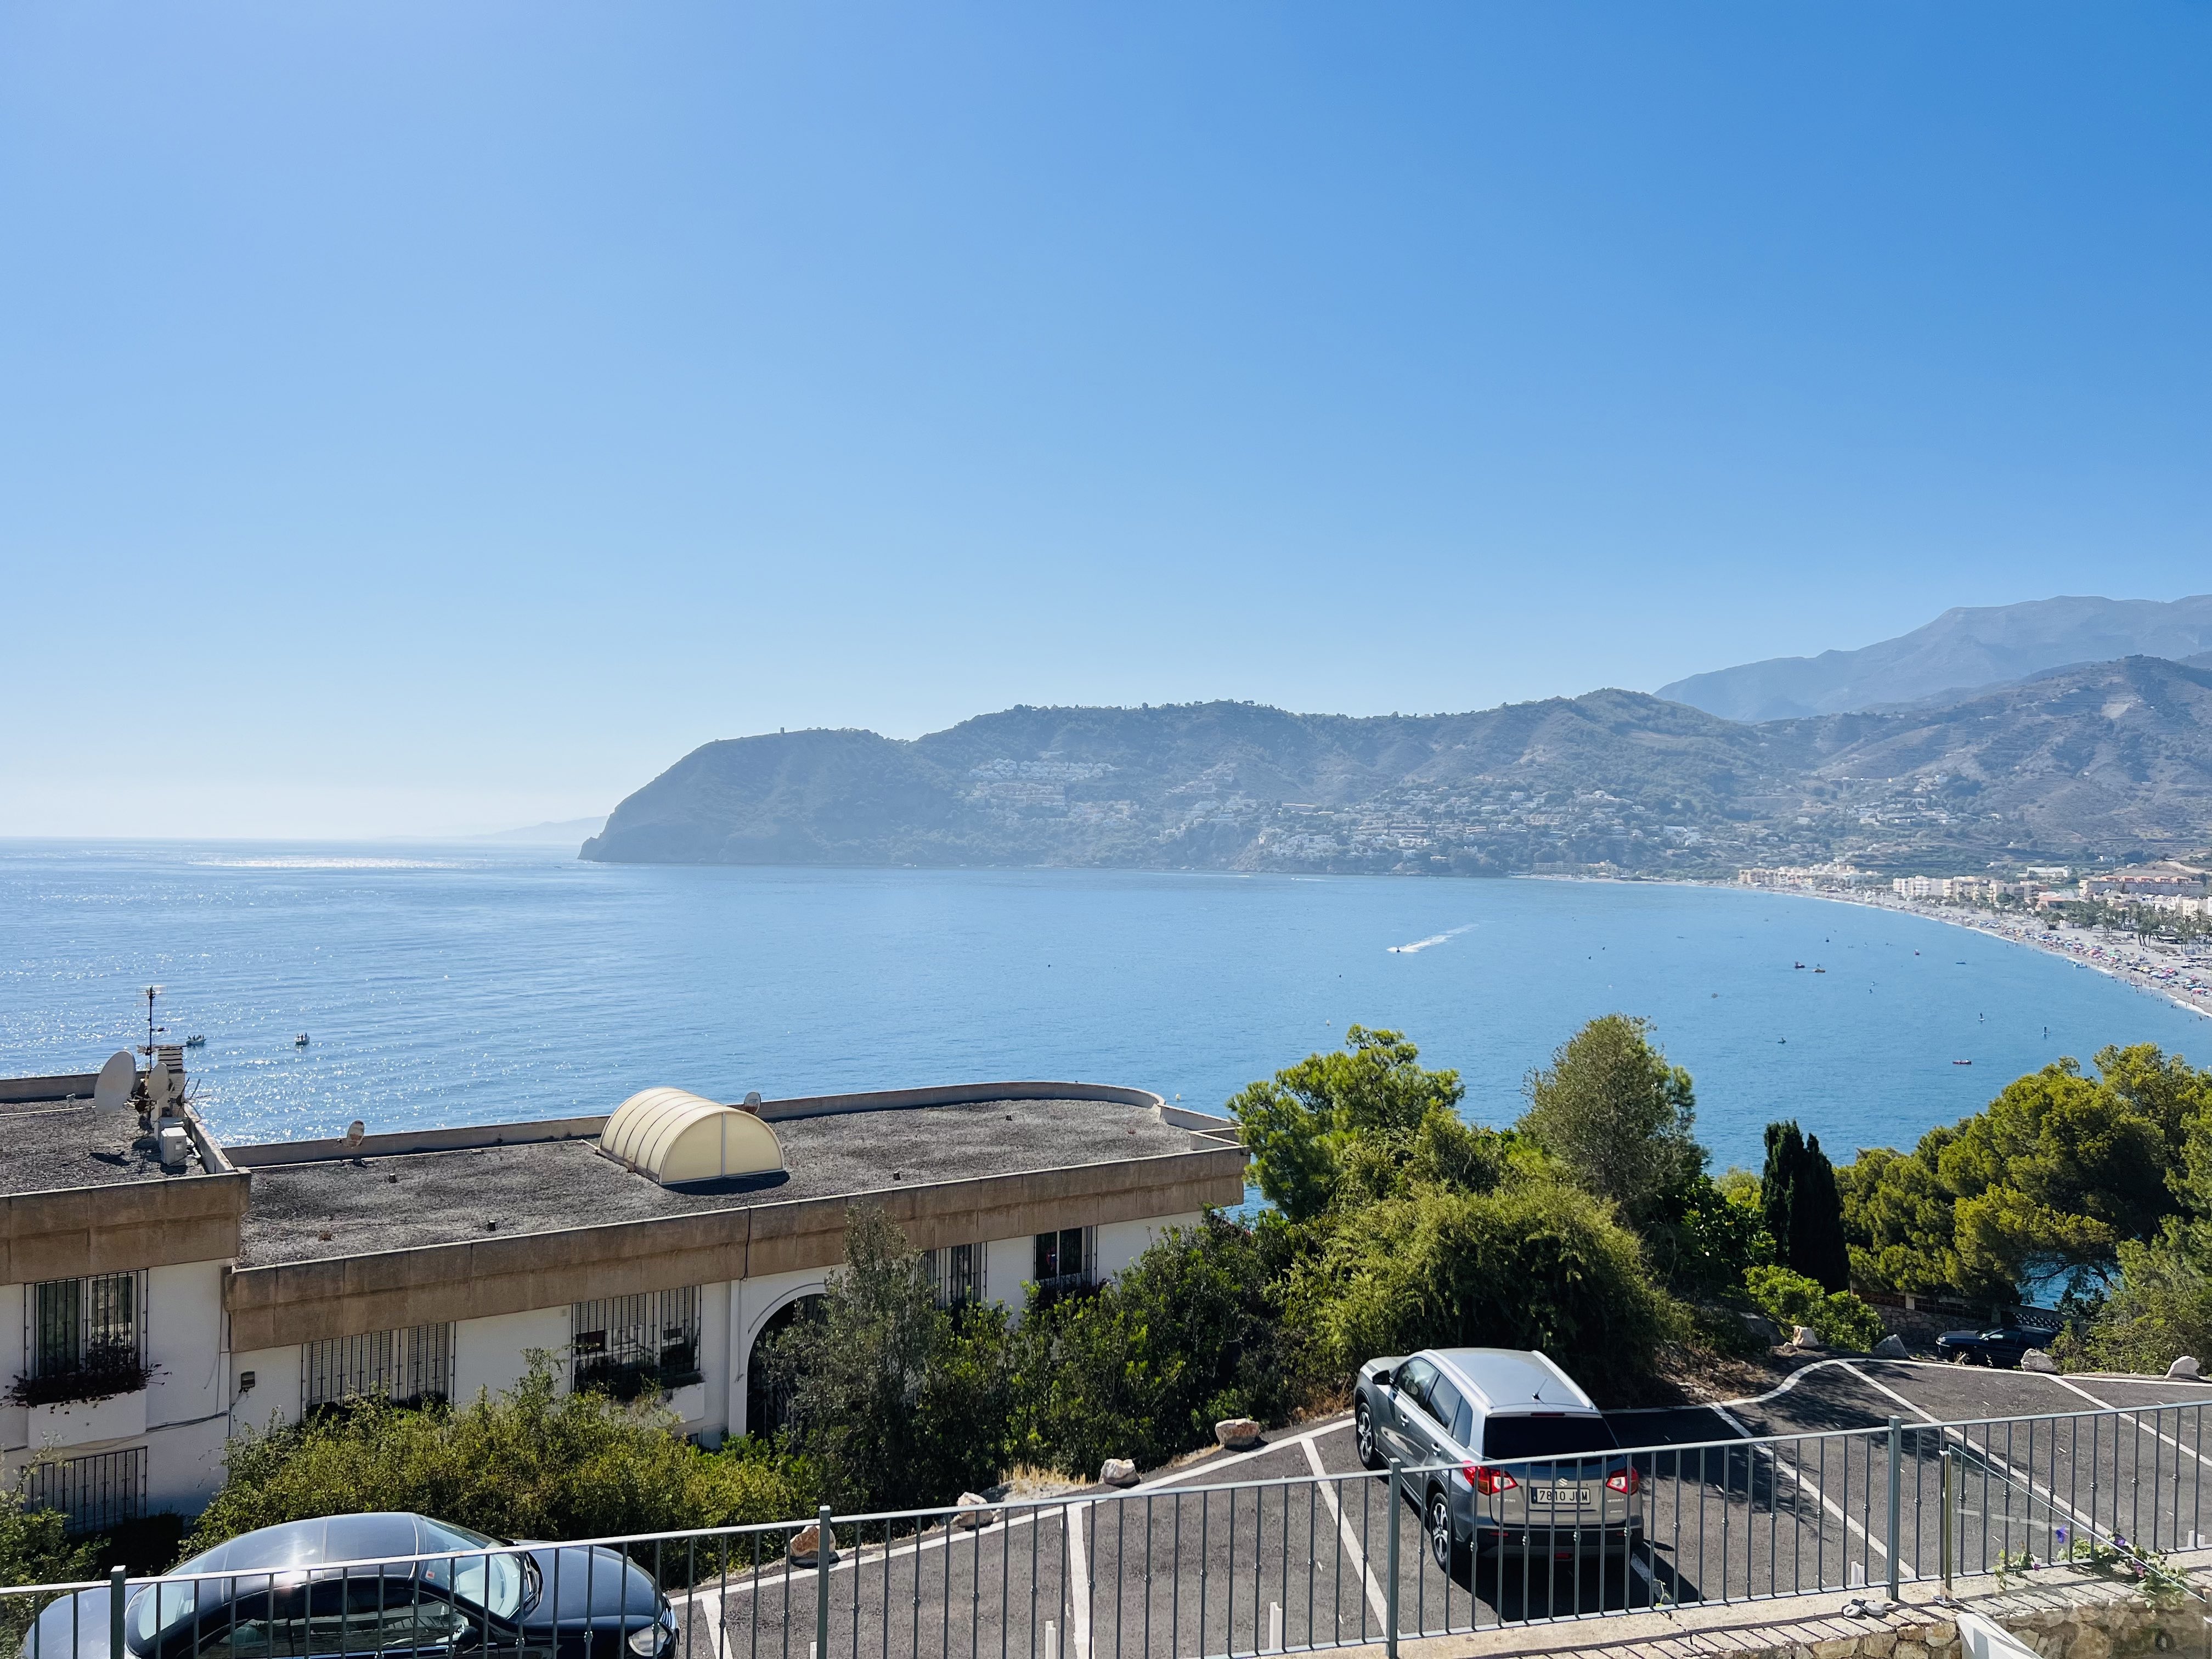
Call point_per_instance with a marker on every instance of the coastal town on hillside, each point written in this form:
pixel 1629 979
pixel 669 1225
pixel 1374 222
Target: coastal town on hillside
pixel 2148 925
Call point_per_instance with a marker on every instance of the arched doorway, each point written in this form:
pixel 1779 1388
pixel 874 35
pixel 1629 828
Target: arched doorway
pixel 766 1406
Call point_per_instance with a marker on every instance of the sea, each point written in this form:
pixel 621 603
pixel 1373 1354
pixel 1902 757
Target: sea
pixel 461 985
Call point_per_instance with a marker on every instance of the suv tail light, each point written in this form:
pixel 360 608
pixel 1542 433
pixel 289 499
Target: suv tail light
pixel 1488 1481
pixel 1627 1482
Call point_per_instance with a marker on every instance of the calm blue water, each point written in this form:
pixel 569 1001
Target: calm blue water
pixel 451 985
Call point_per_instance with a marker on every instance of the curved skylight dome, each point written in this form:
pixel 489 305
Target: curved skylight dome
pixel 674 1137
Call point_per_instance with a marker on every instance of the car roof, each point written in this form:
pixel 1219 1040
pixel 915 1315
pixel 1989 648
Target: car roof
pixel 327 1538
pixel 1513 1379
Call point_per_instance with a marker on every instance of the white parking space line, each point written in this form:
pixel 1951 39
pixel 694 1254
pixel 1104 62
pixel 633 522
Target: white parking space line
pixel 2077 1387
pixel 852 1561
pixel 1804 1485
pixel 1078 1579
pixel 1351 1545
pixel 1987 1453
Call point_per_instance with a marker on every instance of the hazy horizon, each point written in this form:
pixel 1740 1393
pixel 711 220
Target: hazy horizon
pixel 430 421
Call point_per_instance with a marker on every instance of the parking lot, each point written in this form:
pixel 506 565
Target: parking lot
pixel 1290 1545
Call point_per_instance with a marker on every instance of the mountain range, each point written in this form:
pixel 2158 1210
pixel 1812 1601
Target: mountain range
pixel 1962 650
pixel 2111 758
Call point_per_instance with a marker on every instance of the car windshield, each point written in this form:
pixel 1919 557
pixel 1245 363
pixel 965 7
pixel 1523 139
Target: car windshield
pixel 1514 1439
pixel 492 1578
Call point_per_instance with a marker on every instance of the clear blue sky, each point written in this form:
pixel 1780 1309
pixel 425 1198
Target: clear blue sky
pixel 434 417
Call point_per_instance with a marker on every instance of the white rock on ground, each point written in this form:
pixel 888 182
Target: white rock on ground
pixel 2036 1360
pixel 1891 1347
pixel 1802 1336
pixel 1237 1434
pixel 973 1511
pixel 2184 1366
pixel 805 1548
pixel 1117 1471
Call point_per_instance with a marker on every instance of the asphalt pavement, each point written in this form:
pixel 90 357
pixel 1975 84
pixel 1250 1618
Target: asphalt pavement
pixel 1290 1545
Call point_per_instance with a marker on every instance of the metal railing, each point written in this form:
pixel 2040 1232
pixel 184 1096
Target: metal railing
pixel 1298 1562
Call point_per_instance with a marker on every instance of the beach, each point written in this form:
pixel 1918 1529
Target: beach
pixel 2180 973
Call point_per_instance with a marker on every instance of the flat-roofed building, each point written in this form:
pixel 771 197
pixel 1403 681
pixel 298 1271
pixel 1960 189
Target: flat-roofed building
pixel 649 1252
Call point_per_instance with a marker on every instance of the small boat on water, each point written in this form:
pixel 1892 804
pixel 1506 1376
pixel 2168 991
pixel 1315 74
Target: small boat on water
pixel 1962 1063
pixel 300 1041
pixel 196 1040
pixel 1819 970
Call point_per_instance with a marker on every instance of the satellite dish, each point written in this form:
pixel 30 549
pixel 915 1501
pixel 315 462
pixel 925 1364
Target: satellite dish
pixel 752 1100
pixel 159 1089
pixel 117 1079
pixel 356 1131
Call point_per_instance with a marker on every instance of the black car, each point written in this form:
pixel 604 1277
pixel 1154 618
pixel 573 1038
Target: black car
pixel 2002 1346
pixel 279 1591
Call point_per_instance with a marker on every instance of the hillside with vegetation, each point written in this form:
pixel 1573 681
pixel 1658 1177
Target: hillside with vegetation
pixel 2108 759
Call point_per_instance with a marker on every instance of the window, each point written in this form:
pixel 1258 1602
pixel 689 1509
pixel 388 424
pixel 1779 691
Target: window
pixel 625 1344
pixel 1570 1435
pixel 956 1274
pixel 95 1493
pixel 1064 1259
pixel 404 1366
pixel 1444 1401
pixel 1414 1378
pixel 86 1324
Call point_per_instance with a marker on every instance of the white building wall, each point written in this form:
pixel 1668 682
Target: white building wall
pixel 492 1355
pixel 276 1391
pixel 184 1465
pixel 14 1420
pixel 183 1344
pixel 714 1307
pixel 1009 1264
pixel 1118 1243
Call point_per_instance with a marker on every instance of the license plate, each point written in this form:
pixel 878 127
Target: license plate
pixel 1559 1497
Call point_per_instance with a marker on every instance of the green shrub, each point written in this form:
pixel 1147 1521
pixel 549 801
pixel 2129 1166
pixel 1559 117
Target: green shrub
pixel 532 1463
pixel 2159 1308
pixel 33 1550
pixel 1188 1333
pixel 896 1403
pixel 1836 1317
pixel 1535 1264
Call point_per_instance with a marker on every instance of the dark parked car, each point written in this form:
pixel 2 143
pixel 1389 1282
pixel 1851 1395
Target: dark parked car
pixel 281 1593
pixel 2001 1345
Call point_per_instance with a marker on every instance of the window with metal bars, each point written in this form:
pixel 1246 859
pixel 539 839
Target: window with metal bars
pixel 626 1345
pixel 95 1494
pixel 407 1367
pixel 956 1274
pixel 1064 1259
pixel 83 1338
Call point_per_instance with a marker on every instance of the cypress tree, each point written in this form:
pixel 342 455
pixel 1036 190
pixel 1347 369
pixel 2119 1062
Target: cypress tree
pixel 1816 1222
pixel 1803 1211
pixel 1785 1152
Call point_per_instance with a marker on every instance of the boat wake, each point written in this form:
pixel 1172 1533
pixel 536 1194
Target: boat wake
pixel 1433 938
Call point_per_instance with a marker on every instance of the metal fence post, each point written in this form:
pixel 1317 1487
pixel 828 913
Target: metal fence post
pixel 823 1549
pixel 1390 1592
pixel 118 1577
pixel 1950 1510
pixel 1896 1479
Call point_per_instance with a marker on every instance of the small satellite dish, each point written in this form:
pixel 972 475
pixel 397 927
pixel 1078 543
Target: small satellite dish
pixel 753 1101
pixel 159 1089
pixel 117 1079
pixel 356 1131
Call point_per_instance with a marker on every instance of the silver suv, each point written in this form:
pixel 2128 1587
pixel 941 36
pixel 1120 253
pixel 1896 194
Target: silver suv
pixel 1504 1451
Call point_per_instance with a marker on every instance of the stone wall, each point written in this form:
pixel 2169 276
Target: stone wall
pixel 2084 1623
